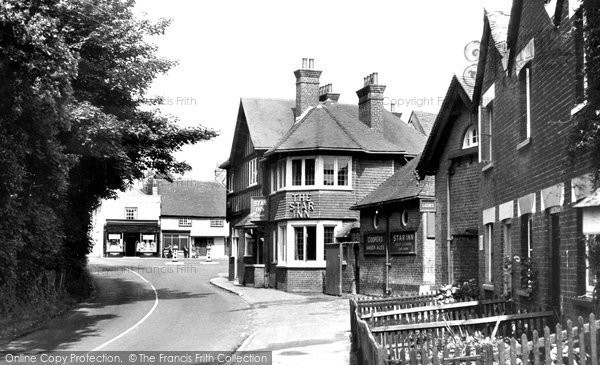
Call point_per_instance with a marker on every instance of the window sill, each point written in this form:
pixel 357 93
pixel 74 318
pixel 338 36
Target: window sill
pixel 487 167
pixel 313 187
pixel 523 144
pixel 303 265
pixel 579 107
pixel 584 301
pixel 488 287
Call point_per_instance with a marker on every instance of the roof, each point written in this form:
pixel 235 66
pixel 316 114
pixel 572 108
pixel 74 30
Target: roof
pixel 333 126
pixel 422 121
pixel 190 198
pixel 591 201
pixel 498 14
pixel 456 96
pixel 403 185
pixel 268 119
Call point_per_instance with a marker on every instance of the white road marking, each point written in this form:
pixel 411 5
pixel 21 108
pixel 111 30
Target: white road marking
pixel 140 321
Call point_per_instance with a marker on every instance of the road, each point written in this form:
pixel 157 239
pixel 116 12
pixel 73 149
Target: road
pixel 147 304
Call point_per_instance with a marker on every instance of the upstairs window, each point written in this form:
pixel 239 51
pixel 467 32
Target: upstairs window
pixel 335 171
pixel 281 169
pixel 216 222
pixel 470 138
pixel 525 87
pixel 489 253
pixel 185 222
pixel 252 172
pixel 131 213
pixel 303 172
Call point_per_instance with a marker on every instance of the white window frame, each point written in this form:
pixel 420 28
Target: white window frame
pixel 489 114
pixel 282 243
pixel 274 253
pixel 133 210
pixel 489 245
pixel 589 287
pixel 217 222
pixel 185 221
pixel 325 226
pixel 285 166
pixel 471 137
pixel 253 172
pixel 527 70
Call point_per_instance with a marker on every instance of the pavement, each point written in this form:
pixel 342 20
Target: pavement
pixel 298 328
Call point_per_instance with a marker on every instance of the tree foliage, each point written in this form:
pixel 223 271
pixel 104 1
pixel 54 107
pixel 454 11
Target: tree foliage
pixel 73 129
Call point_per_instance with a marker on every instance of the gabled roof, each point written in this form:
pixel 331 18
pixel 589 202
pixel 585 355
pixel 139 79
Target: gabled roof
pixel 403 185
pixel 422 121
pixel 333 126
pixel 268 119
pixel 456 97
pixel 498 14
pixel 190 198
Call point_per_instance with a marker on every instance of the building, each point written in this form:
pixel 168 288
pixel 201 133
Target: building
pixel 528 88
pixel 128 225
pixel 154 217
pixel 192 218
pixel 451 155
pixel 397 225
pixel 422 121
pixel 295 169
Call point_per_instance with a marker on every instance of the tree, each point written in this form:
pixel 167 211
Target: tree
pixel 74 77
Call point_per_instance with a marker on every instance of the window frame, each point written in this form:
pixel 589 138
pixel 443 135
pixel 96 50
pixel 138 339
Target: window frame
pixel 134 216
pixel 325 228
pixel 489 253
pixel 184 221
pixel 217 222
pixel 253 172
pixel 468 142
pixel 291 176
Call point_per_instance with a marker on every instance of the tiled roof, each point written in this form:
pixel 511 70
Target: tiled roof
pixel 333 126
pixel 400 186
pixel 425 121
pixel 268 120
pixel 498 15
pixel 192 198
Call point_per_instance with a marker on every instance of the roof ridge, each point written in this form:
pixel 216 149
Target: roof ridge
pixel 345 129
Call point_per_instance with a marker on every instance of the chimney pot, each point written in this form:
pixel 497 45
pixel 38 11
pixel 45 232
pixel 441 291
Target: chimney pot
pixel 307 87
pixel 304 63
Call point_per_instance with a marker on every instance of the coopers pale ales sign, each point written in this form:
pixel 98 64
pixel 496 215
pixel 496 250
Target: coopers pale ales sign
pixel 375 244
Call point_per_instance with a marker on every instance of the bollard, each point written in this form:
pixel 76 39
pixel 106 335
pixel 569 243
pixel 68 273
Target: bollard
pixel 208 259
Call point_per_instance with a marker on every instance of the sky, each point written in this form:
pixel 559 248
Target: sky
pixel 231 49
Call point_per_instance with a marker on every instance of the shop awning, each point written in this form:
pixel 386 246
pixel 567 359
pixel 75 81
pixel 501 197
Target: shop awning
pixel 135 226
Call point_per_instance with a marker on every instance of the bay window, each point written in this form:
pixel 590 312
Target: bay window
pixel 322 172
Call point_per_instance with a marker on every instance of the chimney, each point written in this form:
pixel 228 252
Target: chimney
pixel 370 103
pixel 326 93
pixel 307 86
pixel 154 187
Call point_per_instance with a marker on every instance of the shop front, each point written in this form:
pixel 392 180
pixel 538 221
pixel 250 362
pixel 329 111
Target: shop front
pixel 127 238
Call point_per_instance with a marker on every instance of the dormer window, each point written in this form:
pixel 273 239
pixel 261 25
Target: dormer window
pixel 470 138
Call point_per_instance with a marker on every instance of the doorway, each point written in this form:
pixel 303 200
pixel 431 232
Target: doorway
pixel 131 240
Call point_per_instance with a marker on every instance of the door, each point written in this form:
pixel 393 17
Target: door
pixel 131 241
pixel 200 246
pixel 333 271
pixel 555 263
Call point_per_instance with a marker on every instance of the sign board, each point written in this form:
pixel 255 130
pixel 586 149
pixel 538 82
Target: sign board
pixel 258 206
pixel 375 244
pixel 301 205
pixel 403 243
pixel 426 206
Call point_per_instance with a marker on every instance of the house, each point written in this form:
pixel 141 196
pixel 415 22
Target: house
pixel 451 155
pixel 528 88
pixel 156 216
pixel 128 225
pixel 192 218
pixel 295 169
pixel 397 221
pixel 422 121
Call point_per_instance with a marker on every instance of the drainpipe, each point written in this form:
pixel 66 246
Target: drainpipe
pixel 448 235
pixel 387 255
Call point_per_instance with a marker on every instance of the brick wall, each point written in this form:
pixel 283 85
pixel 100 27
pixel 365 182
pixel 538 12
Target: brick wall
pixel 302 280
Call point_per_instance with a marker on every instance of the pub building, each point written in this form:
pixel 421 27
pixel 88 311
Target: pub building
pixel 397 227
pixel 295 169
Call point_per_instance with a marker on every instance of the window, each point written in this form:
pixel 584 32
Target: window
pixel 470 138
pixel 507 245
pixel 175 241
pixel 582 57
pixel 328 171
pixel 489 240
pixel 252 172
pixel 296 172
pixel 489 117
pixel 305 243
pixel 274 246
pixel 185 222
pixel 281 167
pixel 590 279
pixel 217 222
pixel 303 172
pixel 525 86
pixel 309 171
pixel 328 237
pixel 335 171
pixel 282 243
pixel 230 180
pixel 130 213
pixel 526 236
pixel 404 218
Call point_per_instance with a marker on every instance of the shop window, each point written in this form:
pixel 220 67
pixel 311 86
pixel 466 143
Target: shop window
pixel 305 243
pixel 185 222
pixel 489 253
pixel 131 213
pixel 217 222
pixel 175 241
pixel 470 137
